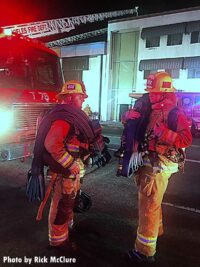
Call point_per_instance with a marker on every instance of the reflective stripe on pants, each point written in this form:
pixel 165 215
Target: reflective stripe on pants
pixel 61 209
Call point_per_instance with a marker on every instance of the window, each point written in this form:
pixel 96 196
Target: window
pixel 44 69
pixel 124 60
pixel 195 37
pixel 73 75
pixel 174 73
pixel 153 42
pixel 194 73
pixel 174 39
pixel 44 75
pixel 73 67
pixel 14 72
pixel 76 63
pixel 122 109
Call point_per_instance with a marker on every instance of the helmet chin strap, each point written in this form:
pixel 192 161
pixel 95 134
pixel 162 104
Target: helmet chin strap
pixel 168 102
pixel 68 99
pixel 159 104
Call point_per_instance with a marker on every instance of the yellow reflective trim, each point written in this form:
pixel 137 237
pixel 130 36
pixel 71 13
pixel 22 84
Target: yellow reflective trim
pixel 67 162
pixel 74 148
pixel 63 156
pixel 147 238
pixel 72 176
pixel 57 236
pixel 82 173
pixel 146 243
pixel 65 159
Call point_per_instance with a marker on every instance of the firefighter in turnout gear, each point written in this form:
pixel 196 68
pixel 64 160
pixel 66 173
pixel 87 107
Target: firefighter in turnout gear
pixel 62 143
pixel 166 136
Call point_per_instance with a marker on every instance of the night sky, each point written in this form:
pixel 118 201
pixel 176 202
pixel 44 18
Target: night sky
pixel 22 11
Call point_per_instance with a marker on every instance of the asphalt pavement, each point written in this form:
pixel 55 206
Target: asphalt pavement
pixel 108 229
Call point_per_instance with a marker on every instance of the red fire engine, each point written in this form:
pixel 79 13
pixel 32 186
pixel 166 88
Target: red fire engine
pixel 30 77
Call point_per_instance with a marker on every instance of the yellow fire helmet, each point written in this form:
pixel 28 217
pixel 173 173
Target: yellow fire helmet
pixel 159 82
pixel 73 87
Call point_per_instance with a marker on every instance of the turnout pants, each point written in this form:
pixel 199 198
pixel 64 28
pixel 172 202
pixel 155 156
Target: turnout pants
pixel 61 209
pixel 151 190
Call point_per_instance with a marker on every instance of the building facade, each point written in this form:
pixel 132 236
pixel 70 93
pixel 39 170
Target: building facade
pixel 142 45
pixel 87 62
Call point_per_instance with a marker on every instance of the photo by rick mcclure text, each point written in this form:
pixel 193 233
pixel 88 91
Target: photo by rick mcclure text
pixel 38 259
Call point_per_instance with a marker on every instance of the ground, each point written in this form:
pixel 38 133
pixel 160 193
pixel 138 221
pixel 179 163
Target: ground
pixel 107 230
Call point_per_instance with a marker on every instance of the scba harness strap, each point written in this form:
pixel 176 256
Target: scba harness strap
pixel 130 160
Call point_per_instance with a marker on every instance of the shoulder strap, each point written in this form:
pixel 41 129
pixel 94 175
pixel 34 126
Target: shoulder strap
pixel 172 120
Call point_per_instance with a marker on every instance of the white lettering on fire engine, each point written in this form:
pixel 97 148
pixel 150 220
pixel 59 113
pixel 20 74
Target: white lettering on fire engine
pixel 49 27
pixel 33 95
pixel 44 96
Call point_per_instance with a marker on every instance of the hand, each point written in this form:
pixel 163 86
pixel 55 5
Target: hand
pixel 74 168
pixel 131 114
pixel 159 129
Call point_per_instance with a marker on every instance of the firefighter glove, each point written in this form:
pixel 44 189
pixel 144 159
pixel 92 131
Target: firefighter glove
pixel 74 168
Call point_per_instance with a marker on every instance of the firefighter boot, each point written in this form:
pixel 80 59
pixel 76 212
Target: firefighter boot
pixel 139 258
pixel 66 247
pixel 70 246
